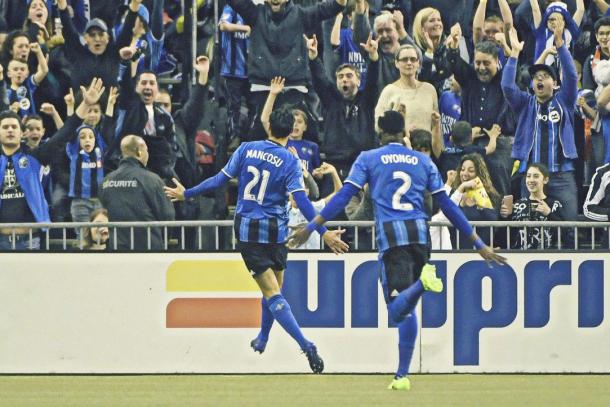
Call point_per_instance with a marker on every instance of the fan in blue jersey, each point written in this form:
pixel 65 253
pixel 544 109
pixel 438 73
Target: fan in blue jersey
pixel 397 177
pixel 267 172
pixel 555 15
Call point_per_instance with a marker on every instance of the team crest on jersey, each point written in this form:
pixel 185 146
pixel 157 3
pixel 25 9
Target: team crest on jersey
pixel 23 162
pixel 24 104
pixel 21 92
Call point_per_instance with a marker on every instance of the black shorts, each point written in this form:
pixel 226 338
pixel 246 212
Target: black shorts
pixel 401 267
pixel 259 257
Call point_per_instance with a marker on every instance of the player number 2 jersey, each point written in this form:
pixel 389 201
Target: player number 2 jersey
pixel 397 178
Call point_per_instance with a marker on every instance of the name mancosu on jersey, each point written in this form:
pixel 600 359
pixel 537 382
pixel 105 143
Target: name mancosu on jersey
pixel 399 158
pixel 264 156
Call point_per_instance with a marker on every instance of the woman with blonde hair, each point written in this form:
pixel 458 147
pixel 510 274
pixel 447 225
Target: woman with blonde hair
pixel 412 97
pixel 429 37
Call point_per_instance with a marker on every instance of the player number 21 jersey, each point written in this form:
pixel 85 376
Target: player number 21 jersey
pixel 266 173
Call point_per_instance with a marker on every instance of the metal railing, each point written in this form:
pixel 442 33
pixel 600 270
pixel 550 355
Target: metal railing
pixel 196 236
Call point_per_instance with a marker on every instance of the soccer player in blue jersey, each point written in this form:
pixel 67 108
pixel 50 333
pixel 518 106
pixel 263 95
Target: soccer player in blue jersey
pixel 267 172
pixel 397 177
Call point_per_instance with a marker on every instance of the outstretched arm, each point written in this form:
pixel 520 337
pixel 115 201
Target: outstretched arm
pixel 179 193
pixel 457 218
pixel 339 201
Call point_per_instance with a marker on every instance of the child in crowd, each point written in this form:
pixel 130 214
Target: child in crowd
pixel 462 135
pixel 308 151
pixel 296 218
pixel 23 85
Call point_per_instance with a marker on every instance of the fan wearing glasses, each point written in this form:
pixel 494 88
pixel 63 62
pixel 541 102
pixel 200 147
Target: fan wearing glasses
pixel 415 99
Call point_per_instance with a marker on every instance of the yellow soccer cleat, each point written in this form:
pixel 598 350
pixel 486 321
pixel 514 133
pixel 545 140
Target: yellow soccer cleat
pixel 401 383
pixel 429 279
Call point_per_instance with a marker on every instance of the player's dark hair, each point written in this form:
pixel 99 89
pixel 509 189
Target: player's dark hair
pixel 281 122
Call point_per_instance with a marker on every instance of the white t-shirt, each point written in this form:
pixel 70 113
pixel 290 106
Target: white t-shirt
pixel 296 218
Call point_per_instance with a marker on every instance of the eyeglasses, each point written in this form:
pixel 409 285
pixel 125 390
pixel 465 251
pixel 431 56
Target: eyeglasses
pixel 408 59
pixel 603 33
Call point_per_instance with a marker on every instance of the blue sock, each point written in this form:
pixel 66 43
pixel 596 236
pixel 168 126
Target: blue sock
pixel 266 321
pixel 407 334
pixel 280 309
pixel 406 301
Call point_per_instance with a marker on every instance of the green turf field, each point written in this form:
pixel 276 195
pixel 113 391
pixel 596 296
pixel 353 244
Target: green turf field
pixel 304 390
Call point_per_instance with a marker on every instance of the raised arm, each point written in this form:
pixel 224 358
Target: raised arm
pixel 43 67
pixel 516 97
pixel 49 109
pixel 276 86
pixel 194 108
pixel 438 144
pixel 68 31
pixel 580 12
pixel 327 168
pixel 246 8
pixel 323 86
pixel 536 14
pixel 335 32
pixel 156 19
pixel 602 6
pixel 362 26
pixel 478 21
pixel 569 86
pixel 493 134
pixel 314 14
pixel 46 151
pixel 507 15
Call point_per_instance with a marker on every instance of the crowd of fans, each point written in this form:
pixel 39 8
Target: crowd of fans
pixel 511 98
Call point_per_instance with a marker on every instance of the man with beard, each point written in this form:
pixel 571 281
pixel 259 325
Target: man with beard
pixel 349 126
pixel 140 115
pixel 277 48
pixel 22 197
pixel 545 125
pixel 484 105
pixel 390 33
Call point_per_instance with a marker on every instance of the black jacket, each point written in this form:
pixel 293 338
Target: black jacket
pixel 187 121
pixel 349 125
pixel 277 47
pixel 132 193
pixel 86 65
pixel 132 118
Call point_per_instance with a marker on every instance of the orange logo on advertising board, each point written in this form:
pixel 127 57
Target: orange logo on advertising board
pixel 227 297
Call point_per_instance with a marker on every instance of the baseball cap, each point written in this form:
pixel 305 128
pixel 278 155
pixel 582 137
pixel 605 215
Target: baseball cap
pixel 543 67
pixel 96 23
